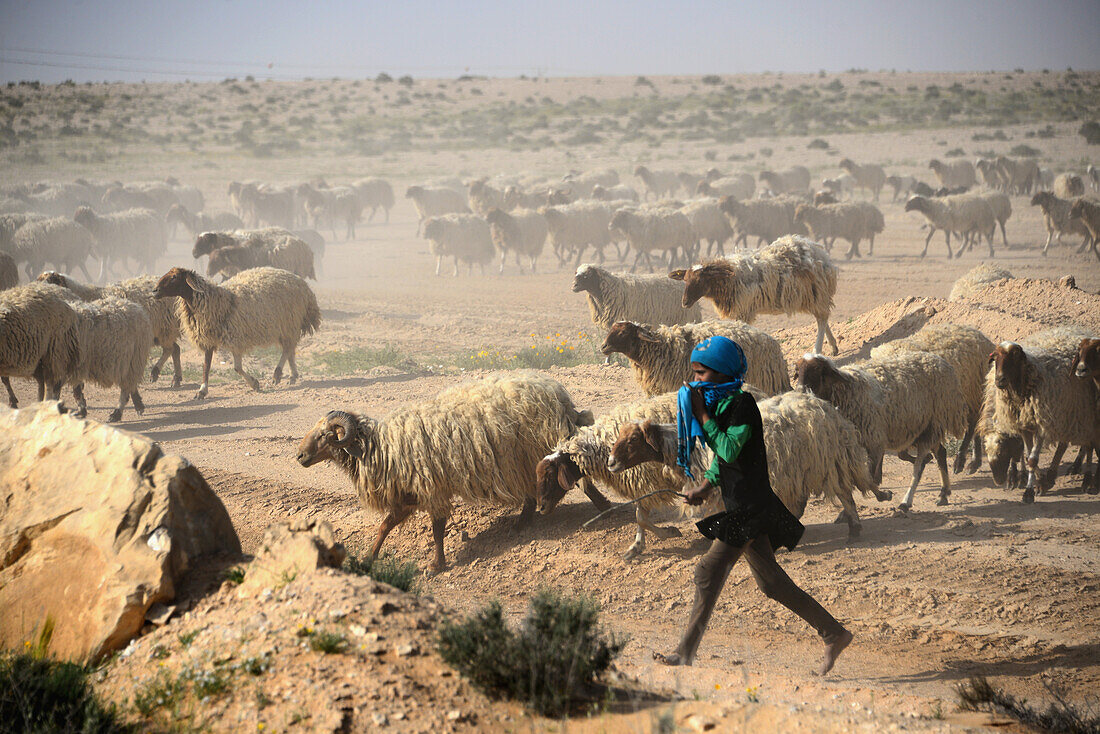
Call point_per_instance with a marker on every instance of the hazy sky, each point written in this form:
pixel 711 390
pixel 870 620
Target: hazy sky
pixel 211 39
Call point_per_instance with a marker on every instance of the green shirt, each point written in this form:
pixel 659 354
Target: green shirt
pixel 726 444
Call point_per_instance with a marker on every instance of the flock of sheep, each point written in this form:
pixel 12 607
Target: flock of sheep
pixel 517 439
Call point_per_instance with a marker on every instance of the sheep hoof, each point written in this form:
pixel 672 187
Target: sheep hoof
pixel 904 508
pixel 154 373
pixel 275 378
pixel 115 416
pixel 972 467
pixel 882 495
pixel 633 552
pixel 80 413
pixel 177 383
pixel 200 395
pixel 1029 496
pixel 941 501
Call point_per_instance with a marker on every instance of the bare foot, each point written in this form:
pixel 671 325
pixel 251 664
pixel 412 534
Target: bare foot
pixel 833 650
pixel 670 659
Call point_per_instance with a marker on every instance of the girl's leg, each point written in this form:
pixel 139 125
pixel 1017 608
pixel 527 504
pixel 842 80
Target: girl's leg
pixel 777 585
pixel 710 577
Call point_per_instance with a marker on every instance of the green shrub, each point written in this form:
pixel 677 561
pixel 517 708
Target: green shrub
pixel 818 144
pixel 399 574
pixel 1091 132
pixel 1025 151
pixel 42 695
pixel 558 652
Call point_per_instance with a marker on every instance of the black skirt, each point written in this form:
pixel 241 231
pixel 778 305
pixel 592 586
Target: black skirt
pixel 739 526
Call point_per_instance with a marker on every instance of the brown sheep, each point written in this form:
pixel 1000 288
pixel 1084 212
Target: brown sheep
pixel 1089 215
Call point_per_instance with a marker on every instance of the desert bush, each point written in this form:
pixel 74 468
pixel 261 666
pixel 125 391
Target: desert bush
pixel 1091 132
pixel 39 695
pixel 549 663
pixel 406 81
pixel 978 694
pixel 955 153
pixel 712 80
pixel 399 574
pixel 818 144
pixel 1025 151
pixel 383 78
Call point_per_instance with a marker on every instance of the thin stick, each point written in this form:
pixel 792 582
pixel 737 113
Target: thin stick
pixel 631 502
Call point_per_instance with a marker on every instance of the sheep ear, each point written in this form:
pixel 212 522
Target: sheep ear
pixel 678 274
pixel 193 282
pixel 652 436
pixel 1076 361
pixel 646 335
pixel 992 356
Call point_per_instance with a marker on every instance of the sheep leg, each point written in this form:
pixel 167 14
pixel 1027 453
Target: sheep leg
pixel 139 404
pixel 123 398
pixel 874 463
pixel 439 525
pixel 641 516
pixel 81 404
pixel 882 495
pixel 239 369
pixel 1083 456
pixel 594 496
pixel 940 452
pixel 976 462
pixel 947 241
pixel 287 357
pixel 634 267
pixel 177 377
pixel 1004 236
pixel 638 546
pixel 204 387
pixel 1050 476
pixel 389 522
pixel 526 513
pixel 290 358
pixel 964 447
pixel 1050 236
pixel 11 393
pixel 918 470
pixel 823 332
pixel 455 273
pixel 931 231
pixel 438 264
pixel 850 514
pixel 154 371
pixel 1032 446
pixel 871 247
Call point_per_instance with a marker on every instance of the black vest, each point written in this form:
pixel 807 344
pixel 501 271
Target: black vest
pixel 745 483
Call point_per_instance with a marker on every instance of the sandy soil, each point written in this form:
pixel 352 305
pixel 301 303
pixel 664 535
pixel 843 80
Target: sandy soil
pixel 984 585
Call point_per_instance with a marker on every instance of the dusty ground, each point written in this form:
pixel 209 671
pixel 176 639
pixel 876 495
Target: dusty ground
pixel 985 585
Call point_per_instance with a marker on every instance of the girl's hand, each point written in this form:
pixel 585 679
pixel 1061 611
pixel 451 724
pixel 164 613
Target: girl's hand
pixel 698 404
pixel 698 495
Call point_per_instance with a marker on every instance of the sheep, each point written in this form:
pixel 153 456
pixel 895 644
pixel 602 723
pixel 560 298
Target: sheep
pixel 114 337
pixel 316 244
pixel 207 242
pixel 842 187
pixel 334 204
pixel 962 214
pixel 573 227
pixel 522 231
pixel 162 313
pixel 690 181
pixel 908 401
pixel 264 205
pixel 660 356
pixel 1086 362
pixel 255 308
pixel 272 247
pixel 649 230
pixel 739 187
pixel 959 173
pixel 977 278
pixel 516 198
pixel 1058 221
pixel 483 197
pixel 584 458
pixel 1093 173
pixel 9 272
pixel 765 219
pixel 967 351
pixel 619 192
pixel 37 337
pixel 1001 206
pixel 813 451
pixel 196 224
pixel 479 442
pixel 10 223
pixel 1088 213
pixel 375 193
pixel 1068 186
pixel 580 185
pixel 658 183
pixel 791 275
pixel 613 297
pixel 868 176
pixel 990 173
pixel 850 221
pixel 464 237
pixel 795 179
pixel 189 197
pixel 1017 177
pixel 708 224
pixel 134 233
pixel 433 202
pixel 59 241
pixel 1039 399
pixel 120 198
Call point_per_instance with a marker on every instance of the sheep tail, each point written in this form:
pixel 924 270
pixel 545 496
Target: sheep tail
pixel 312 319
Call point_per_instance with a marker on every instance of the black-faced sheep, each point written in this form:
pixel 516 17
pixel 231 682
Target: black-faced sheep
pixel 658 183
pixel 660 356
pixel 908 401
pixel 648 299
pixel 521 231
pixel 435 201
pixel 479 442
pixel 654 230
pixel 483 197
pixel 464 237
pixel 813 451
pixel 854 221
pixel 868 176
pixel 963 215
pixel 1017 177
pixel 38 337
pixel 791 275
pixel 256 308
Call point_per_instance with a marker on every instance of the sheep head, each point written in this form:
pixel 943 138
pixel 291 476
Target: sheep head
pixel 729 206
pixel 225 260
pixel 1000 450
pixel 53 278
pixel 620 220
pixel 641 171
pixel 555 475
pixel 637 443
pixel 802 211
pixel 818 374
pixel 179 282
pixel 588 279
pixel 935 165
pixel 495 217
pixel 700 280
pixel 704 188
pixel 848 165
pixel 599 192
pixel 1010 363
pixel 1086 363
pixel 413 191
pixel 916 204
pixel 712 174
pixel 84 216
pixel 205 243
pixel 626 337
pixel 336 432
pixel 433 227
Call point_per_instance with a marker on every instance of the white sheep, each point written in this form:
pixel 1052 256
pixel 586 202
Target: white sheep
pixel 765 219
pixel 953 175
pixel 660 356
pixel 479 442
pixel 977 278
pixel 198 223
pixel 521 231
pixel 852 221
pixel 900 185
pixel 59 241
pixel 967 351
pixel 908 401
pixel 285 251
pixel 867 176
pixel 580 185
pixel 791 275
pixel 138 234
pixel 37 337
pixel 483 197
pixel 256 308
pixel 375 193
pixel 435 201
pixel 618 192
pixel 963 214
pixel 654 230
pixel 1088 213
pixel 141 290
pixel 114 337
pixel 709 224
pixel 812 450
pixel 574 227
pixel 261 204
pixel 742 186
pixel 1018 177
pixel 658 183
pixel 464 237
pixel 842 187
pixel 794 180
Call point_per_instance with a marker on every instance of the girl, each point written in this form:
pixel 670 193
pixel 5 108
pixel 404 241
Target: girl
pixel 715 409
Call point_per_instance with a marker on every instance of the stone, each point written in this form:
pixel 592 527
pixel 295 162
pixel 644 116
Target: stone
pixel 96 526
pixel 289 549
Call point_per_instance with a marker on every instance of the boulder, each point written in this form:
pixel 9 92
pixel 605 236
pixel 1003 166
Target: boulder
pixel 96 525
pixel 289 549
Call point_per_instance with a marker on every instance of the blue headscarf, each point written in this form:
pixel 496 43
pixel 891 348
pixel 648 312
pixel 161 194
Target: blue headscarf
pixel 722 355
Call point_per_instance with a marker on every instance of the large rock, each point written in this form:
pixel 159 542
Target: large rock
pixel 96 525
pixel 289 549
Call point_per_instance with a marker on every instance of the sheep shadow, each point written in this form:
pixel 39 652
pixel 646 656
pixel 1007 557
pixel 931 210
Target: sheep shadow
pixel 1061 656
pixel 211 420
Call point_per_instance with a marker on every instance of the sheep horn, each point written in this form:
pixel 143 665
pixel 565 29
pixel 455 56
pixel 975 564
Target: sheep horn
pixel 340 419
